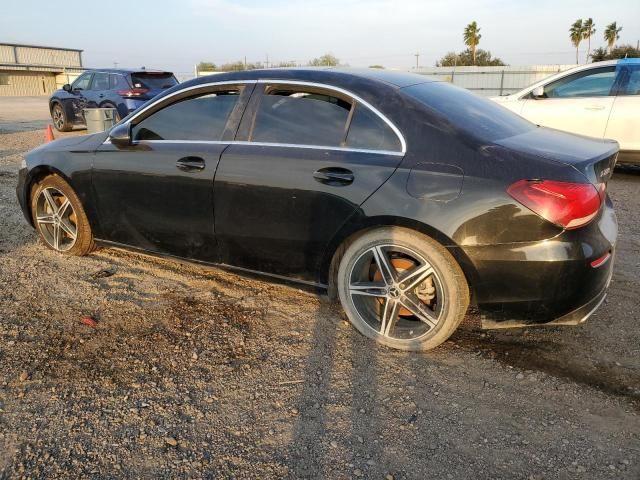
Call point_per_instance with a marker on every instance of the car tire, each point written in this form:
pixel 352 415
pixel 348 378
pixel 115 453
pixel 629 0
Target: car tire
pixel 376 304
pixel 59 218
pixel 59 118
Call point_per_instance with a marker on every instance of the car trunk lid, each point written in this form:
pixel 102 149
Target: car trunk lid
pixel 592 157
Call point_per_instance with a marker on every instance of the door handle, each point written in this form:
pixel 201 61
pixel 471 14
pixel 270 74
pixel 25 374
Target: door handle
pixel 190 163
pixel 101 95
pixel 334 176
pixel 595 107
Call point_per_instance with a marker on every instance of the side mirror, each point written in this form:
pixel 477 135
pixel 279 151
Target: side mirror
pixel 538 92
pixel 120 135
pixel 66 87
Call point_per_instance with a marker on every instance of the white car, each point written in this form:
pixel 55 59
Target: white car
pixel 599 100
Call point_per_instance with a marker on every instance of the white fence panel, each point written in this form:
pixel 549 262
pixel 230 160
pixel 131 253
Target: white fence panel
pixel 490 81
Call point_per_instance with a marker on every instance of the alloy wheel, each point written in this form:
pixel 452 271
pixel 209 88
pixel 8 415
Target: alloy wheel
pixel 397 292
pixel 58 117
pixel 56 219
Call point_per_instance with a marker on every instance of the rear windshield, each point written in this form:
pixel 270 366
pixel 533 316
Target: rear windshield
pixel 153 81
pixel 480 117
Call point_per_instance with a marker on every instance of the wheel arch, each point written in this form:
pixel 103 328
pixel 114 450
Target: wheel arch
pixel 35 175
pixel 351 231
pixel 52 102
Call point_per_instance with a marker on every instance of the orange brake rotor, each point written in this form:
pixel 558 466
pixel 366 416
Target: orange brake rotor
pixel 400 264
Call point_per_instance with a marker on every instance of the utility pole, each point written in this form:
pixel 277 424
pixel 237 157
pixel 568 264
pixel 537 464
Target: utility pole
pixel 267 62
pixel 417 55
pixel 245 62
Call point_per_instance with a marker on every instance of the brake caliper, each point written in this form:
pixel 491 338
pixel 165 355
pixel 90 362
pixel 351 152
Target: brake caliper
pixel 426 291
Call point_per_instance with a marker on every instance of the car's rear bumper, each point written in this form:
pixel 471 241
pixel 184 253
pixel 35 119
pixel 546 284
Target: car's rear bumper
pixel 547 282
pixel 133 104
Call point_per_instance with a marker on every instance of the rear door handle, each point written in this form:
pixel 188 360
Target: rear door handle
pixel 595 107
pixel 190 163
pixel 334 176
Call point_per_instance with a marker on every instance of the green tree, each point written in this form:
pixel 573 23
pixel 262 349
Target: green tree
pixel 288 64
pixel 611 34
pixel 576 33
pixel 326 60
pixel 206 67
pixel 377 66
pixel 465 58
pixel 239 66
pixel 621 51
pixel 472 38
pixel 589 29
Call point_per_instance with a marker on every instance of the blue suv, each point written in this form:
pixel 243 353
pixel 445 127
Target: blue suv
pixel 124 90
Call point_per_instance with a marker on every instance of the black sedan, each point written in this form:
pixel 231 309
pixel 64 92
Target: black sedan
pixel 405 197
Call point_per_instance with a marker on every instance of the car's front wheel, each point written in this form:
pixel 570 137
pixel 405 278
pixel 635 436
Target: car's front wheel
pixel 59 217
pixel 402 289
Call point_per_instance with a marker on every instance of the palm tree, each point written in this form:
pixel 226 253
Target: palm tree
pixel 576 32
pixel 472 38
pixel 589 29
pixel 611 34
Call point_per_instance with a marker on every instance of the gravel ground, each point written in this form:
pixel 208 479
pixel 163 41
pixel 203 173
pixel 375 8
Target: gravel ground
pixel 196 372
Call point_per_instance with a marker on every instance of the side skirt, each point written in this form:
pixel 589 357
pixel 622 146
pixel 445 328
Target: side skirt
pixel 120 246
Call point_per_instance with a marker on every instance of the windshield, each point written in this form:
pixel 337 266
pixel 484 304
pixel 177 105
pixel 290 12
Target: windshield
pixel 153 81
pixel 480 117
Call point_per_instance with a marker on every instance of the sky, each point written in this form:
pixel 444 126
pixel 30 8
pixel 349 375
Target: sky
pixel 177 34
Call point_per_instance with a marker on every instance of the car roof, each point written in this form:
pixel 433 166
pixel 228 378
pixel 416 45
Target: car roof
pixel 126 70
pixel 391 78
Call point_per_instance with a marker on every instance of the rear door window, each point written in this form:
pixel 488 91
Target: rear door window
pixel 201 118
pixel 368 131
pixel 301 117
pixel 153 81
pixel 114 81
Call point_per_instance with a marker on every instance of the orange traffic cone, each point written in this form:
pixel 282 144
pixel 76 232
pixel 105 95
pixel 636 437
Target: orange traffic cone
pixel 48 135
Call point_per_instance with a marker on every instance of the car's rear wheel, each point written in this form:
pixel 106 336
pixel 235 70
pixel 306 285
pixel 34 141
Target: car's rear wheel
pixel 59 217
pixel 60 121
pixel 402 289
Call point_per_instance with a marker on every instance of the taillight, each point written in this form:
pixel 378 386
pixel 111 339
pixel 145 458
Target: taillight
pixel 568 205
pixel 133 92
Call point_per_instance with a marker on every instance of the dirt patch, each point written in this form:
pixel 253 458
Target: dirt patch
pixel 196 372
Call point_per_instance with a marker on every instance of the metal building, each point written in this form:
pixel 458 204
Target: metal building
pixel 27 70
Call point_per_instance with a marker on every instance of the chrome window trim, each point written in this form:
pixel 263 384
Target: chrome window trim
pixel 188 89
pixel 403 144
pixel 268 144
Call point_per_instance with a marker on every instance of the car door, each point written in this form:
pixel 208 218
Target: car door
pixel 578 103
pixel 624 122
pixel 157 193
pixel 96 91
pixel 77 97
pixel 306 159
